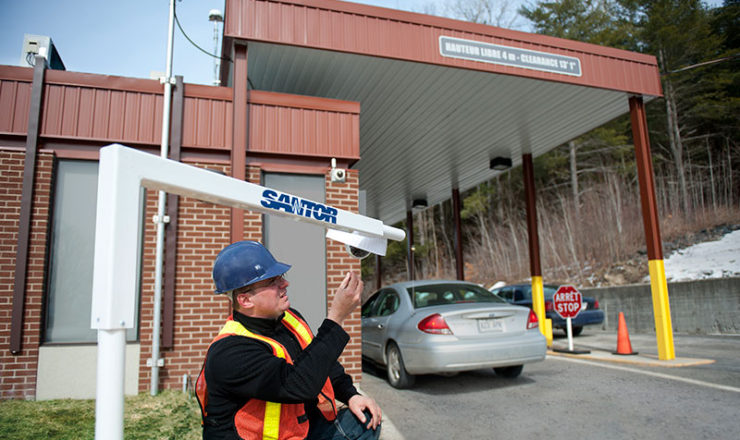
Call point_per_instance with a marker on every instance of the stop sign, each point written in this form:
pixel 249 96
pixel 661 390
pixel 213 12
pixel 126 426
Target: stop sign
pixel 567 302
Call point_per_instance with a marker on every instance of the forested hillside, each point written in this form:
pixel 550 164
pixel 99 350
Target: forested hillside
pixel 588 202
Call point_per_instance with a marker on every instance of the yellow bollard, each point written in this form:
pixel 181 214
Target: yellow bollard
pixel 548 331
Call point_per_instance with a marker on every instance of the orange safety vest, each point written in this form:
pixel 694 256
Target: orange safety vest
pixel 263 420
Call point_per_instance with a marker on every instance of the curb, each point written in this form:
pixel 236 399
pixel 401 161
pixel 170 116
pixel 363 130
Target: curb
pixel 388 430
pixel 646 360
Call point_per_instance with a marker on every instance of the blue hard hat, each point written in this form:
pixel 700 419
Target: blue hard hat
pixel 243 263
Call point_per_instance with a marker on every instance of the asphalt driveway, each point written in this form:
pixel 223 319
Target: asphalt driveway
pixel 597 395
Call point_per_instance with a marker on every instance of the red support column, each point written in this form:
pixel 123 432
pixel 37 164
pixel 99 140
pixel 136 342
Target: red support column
pixel 538 296
pixel 531 202
pixel 645 174
pixel 459 263
pixel 378 272
pixel 410 244
pixel 658 283
pixel 173 204
pixel 24 222
pixel 241 133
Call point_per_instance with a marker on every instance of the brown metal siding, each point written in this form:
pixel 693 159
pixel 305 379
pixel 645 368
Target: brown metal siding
pixel 15 98
pixel 366 30
pixel 98 114
pixel 104 109
pixel 207 123
pixel 303 126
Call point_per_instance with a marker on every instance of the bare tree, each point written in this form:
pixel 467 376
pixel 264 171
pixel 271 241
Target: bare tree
pixel 501 13
pixel 674 137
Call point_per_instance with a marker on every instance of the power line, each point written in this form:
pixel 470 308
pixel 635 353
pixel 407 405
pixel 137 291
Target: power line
pixel 198 47
pixel 705 63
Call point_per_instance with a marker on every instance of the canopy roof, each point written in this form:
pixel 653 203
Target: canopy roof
pixel 439 98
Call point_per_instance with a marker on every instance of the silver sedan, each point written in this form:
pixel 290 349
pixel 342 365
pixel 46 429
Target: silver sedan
pixel 424 327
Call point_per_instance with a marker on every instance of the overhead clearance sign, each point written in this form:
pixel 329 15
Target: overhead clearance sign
pixel 509 56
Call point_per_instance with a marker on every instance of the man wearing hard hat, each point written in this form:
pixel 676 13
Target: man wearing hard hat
pixel 265 375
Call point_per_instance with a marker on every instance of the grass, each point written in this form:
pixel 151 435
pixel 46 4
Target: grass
pixel 169 415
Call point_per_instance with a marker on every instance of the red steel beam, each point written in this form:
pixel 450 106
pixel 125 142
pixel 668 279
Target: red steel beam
pixel 646 179
pixel 459 263
pixel 24 221
pixel 173 203
pixel 534 239
pixel 241 133
pixel 410 244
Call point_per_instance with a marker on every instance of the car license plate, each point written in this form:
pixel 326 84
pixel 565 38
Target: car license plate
pixel 490 325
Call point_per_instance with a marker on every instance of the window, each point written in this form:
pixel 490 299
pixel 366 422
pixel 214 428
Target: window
pixel 549 291
pixel 520 295
pixel 388 304
pixel 71 250
pixel 301 245
pixel 367 308
pixel 506 293
pixel 382 303
pixel 441 294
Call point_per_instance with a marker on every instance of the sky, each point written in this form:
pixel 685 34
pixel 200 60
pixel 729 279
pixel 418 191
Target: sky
pixel 126 38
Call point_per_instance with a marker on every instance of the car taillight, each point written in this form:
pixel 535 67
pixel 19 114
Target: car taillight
pixel 548 306
pixel 434 324
pixel 532 321
pixel 596 304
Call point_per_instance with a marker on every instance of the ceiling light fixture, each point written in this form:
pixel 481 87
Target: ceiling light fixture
pixel 419 204
pixel 500 163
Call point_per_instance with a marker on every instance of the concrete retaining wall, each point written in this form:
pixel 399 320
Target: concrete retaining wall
pixel 708 307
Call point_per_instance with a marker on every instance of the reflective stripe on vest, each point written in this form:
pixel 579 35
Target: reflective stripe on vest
pixel 300 327
pixel 302 332
pixel 235 328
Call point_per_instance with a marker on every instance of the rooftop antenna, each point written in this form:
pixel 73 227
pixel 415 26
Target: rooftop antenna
pixel 216 17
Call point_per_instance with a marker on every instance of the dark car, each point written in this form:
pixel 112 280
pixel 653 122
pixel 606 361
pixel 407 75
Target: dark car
pixel 521 294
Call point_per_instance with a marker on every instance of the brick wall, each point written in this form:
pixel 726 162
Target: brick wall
pixel 18 372
pixel 338 262
pixel 203 230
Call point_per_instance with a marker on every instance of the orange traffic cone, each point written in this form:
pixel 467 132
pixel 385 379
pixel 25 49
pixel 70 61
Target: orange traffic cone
pixel 624 347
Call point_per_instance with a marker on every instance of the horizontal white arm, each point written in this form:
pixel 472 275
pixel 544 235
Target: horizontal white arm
pixel 122 173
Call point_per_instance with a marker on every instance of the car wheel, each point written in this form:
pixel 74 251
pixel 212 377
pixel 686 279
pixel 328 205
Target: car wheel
pixel 397 375
pixel 509 372
pixel 576 330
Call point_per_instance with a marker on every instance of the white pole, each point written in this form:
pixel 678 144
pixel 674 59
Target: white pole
pixel 216 63
pixel 109 387
pixel 160 220
pixel 570 334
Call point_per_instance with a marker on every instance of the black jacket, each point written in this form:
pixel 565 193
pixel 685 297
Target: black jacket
pixel 238 368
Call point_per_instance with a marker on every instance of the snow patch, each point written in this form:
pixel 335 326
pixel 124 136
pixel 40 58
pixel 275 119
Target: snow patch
pixel 712 259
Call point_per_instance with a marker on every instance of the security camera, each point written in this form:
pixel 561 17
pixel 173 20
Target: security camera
pixel 338 175
pixel 356 252
pixel 358 245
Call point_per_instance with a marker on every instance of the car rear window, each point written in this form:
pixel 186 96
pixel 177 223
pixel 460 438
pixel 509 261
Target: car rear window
pixel 441 294
pixel 549 291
